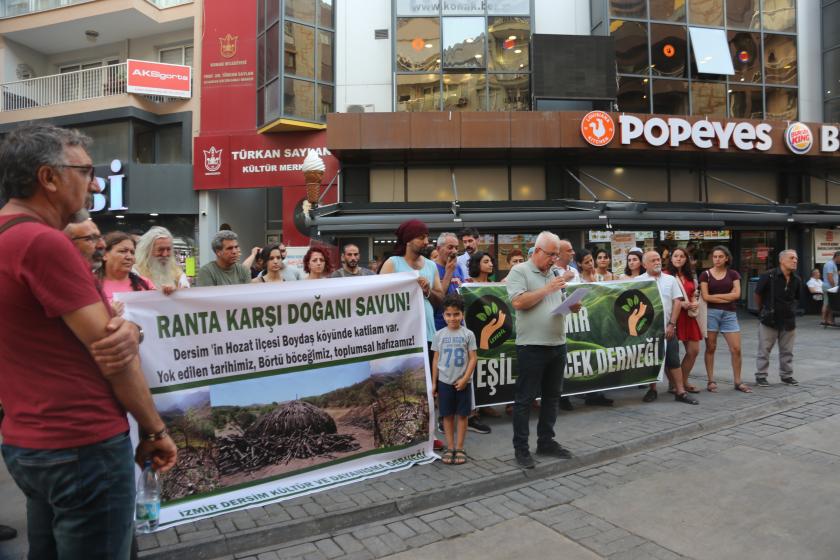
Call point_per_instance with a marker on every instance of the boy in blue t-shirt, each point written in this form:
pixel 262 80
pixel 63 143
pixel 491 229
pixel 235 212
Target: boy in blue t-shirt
pixel 452 367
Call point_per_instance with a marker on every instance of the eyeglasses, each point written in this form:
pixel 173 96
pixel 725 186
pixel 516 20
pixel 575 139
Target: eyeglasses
pixel 89 238
pixel 552 255
pixel 88 169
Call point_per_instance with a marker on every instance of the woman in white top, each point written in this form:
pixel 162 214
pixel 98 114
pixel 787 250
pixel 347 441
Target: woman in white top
pixel 602 265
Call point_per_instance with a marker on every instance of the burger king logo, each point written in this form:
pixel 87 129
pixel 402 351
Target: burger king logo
pixel 597 128
pixel 799 138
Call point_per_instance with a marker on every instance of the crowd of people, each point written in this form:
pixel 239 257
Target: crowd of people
pixel 67 409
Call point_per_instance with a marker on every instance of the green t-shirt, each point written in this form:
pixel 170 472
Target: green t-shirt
pixel 537 325
pixel 211 274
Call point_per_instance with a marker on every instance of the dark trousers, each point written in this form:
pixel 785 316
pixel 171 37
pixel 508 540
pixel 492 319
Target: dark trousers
pixel 540 374
pixel 79 501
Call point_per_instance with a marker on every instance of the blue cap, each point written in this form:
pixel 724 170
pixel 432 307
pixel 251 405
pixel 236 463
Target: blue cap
pixel 531 251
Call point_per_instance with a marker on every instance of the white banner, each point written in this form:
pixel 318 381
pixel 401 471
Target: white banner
pixel 826 242
pixel 272 391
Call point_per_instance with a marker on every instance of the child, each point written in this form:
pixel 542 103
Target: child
pixel 453 363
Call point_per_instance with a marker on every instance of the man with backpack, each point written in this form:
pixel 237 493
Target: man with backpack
pixel 777 296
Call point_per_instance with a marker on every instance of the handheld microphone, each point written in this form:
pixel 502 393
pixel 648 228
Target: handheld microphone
pixel 558 274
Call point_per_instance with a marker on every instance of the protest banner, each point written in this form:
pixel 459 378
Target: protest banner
pixel 272 391
pixel 616 340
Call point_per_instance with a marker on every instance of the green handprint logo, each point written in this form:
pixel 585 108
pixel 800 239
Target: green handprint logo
pixel 489 318
pixel 634 312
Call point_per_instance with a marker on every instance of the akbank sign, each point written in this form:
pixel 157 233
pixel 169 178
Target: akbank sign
pixel 597 128
pixel 111 191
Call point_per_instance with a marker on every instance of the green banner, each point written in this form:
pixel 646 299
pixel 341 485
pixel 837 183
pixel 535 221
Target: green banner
pixel 617 339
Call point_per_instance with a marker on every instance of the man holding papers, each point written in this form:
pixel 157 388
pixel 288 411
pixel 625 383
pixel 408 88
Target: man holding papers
pixel 535 291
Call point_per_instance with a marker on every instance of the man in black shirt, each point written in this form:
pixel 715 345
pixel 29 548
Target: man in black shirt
pixel 776 297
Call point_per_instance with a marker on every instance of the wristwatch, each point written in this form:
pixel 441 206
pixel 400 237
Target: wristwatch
pixel 142 334
pixel 156 436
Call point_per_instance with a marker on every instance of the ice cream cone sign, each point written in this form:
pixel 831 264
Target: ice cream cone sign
pixel 313 173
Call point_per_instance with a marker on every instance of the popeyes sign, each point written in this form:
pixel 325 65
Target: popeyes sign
pixel 158 78
pixel 597 126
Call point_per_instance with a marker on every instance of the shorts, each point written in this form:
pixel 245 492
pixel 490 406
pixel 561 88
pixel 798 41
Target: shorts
pixel 825 302
pixel 672 353
pixel 452 402
pixel 720 320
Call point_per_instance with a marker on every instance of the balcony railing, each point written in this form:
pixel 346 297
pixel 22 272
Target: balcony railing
pixel 14 8
pixel 64 88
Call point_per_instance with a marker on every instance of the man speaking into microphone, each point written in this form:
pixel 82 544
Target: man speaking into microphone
pixel 535 291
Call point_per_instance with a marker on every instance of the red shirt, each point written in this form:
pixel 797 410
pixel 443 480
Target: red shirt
pixel 52 391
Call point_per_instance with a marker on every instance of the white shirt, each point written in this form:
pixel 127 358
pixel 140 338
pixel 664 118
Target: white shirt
pixel 563 271
pixel 669 290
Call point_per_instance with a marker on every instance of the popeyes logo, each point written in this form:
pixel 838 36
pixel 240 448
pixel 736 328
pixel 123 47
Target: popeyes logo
pixel 212 160
pixel 227 45
pixel 798 138
pixel 597 128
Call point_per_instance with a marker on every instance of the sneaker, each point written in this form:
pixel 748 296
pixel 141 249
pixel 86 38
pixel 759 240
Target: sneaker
pixel 762 382
pixel 790 381
pixel 477 426
pixel 650 396
pixel 554 449
pixel 524 459
pixel 598 400
pixel 566 404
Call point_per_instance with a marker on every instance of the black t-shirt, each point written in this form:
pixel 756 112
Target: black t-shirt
pixel 785 295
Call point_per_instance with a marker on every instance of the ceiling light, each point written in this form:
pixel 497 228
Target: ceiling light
pixel 429 45
pixel 518 51
pixel 154 214
pixel 645 81
pixel 512 38
pixel 619 170
pixel 92 35
pixel 119 216
pixel 478 56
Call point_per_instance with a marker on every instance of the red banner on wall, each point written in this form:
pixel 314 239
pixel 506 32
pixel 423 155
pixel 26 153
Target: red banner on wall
pixel 158 78
pixel 258 160
pixel 228 67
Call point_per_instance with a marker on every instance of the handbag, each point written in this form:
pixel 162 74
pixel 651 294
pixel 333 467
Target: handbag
pixel 693 313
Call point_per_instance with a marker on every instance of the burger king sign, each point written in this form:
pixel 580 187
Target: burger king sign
pixel 798 138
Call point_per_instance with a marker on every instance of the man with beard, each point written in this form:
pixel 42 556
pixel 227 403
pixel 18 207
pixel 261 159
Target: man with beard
pixel 156 261
pixel 70 371
pixel 87 239
pixel 469 238
pixel 225 270
pixel 350 263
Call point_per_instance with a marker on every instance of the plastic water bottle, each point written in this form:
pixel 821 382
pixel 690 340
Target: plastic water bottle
pixel 147 512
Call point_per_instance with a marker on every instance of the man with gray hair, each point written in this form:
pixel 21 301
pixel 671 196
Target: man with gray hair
pixel 225 270
pixel 776 296
pixel 155 260
pixel 70 370
pixel 87 239
pixel 535 290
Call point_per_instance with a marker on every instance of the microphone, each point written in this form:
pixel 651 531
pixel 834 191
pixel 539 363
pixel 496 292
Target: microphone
pixel 558 274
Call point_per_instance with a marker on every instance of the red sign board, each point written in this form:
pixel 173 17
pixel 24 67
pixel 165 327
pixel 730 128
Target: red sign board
pixel 157 78
pixel 258 160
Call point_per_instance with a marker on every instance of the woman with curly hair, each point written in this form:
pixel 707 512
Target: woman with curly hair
pixel 316 263
pixel 481 266
pixel 116 272
pixel 688 329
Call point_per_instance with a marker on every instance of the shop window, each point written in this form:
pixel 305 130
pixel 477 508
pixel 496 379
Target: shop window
pixel 464 92
pixel 667 10
pixel 781 104
pixel 326 66
pixel 414 8
pixel 303 10
pixel 631 46
pixel 819 190
pixel 387 185
pixel 509 242
pixel 299 41
pixel 705 12
pixel 509 92
pixel 509 43
pixel 527 183
pixel 298 99
pixel 418 92
pixel 834 190
pixel 641 183
pixel 418 44
pixel 669 50
pixel 272 11
pixel 463 42
pixel 325 13
pixel 830 29
pixel 633 94
pixel 743 14
pixel 708 98
pixel 711 52
pixel 482 183
pixel 429 183
pixel 177 55
pixel 628 9
pixel 755 181
pixel 832 111
pixel 670 97
pixel 169 144
pixel 685 185
pixel 272 52
pixel 831 75
pixel 326 101
pixel 272 100
pixel 144 143
pixel 746 56
pixel 780 59
pixel 745 102
pixel 508 7
pixel 779 15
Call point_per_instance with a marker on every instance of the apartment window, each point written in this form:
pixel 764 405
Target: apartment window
pixel 462 56
pixel 182 54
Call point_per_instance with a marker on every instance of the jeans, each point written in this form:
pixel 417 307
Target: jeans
pixel 540 374
pixel 767 337
pixel 79 501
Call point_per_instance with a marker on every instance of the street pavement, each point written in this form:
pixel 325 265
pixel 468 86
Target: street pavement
pixel 740 476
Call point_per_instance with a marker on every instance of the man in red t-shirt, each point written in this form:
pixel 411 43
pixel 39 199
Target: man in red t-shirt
pixel 70 371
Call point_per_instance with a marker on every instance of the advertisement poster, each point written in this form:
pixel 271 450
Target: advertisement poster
pixel 826 242
pixel 622 243
pixel 273 391
pixel 616 340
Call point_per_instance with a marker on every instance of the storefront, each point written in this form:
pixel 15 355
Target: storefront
pixel 753 186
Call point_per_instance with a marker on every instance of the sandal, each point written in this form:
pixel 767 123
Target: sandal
pixel 447 457
pixel 711 387
pixel 685 398
pixel 743 387
pixel 459 457
pixel 692 389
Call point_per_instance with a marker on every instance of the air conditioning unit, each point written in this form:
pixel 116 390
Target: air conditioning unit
pixel 361 108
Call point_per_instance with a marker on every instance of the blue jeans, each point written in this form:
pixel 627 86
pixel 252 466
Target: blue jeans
pixel 79 501
pixel 540 374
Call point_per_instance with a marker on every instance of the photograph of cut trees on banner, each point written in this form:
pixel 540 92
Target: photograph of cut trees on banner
pixel 616 340
pixel 273 393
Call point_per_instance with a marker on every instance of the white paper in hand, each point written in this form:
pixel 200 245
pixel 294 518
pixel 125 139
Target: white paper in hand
pixel 576 297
